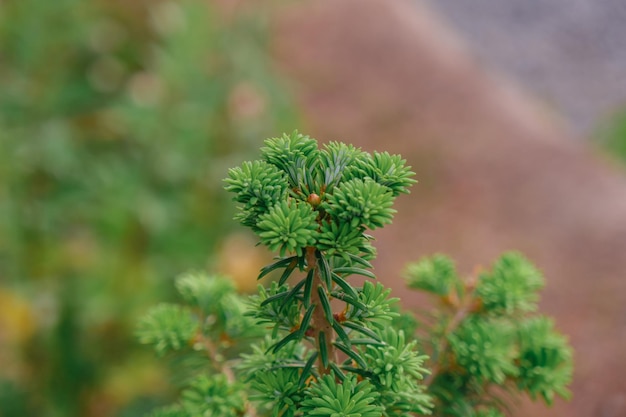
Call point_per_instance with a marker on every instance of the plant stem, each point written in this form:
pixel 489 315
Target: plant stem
pixel 319 322
pixel 218 362
pixel 442 344
pixel 222 367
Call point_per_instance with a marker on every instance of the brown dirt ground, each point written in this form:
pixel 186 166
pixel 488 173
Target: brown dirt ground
pixel 496 171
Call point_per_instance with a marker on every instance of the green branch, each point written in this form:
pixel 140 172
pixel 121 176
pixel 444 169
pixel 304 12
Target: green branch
pixel 287 353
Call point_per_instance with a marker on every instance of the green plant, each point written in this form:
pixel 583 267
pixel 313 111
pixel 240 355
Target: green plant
pixel 611 134
pixel 115 120
pixel 312 343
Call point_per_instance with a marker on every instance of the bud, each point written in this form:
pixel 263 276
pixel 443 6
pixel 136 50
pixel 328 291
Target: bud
pixel 451 299
pixel 314 200
pixel 472 281
pixel 476 306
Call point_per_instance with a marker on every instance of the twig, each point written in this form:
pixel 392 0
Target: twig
pixel 442 344
pixel 319 322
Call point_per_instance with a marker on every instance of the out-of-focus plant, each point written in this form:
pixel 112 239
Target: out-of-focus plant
pixel 612 135
pixel 485 337
pixel 315 344
pixel 115 120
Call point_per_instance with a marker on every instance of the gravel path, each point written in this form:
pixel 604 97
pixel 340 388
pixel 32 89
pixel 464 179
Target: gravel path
pixel 570 53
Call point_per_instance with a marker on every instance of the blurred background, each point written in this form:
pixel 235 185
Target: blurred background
pixel 118 120
pixel 570 54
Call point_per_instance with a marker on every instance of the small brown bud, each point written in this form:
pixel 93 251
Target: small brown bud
pixel 477 305
pixel 472 281
pixel 451 299
pixel 340 317
pixel 314 200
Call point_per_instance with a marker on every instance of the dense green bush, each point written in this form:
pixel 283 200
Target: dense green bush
pixel 117 120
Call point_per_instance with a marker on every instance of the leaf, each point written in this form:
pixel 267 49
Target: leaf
pixel 292 293
pixel 306 320
pixel 321 337
pixel 354 302
pixel 338 372
pixel 366 341
pixel 341 332
pixel 281 263
pixel 360 260
pixel 347 288
pixel 307 369
pixel 352 354
pixel 324 269
pixel 280 344
pixel 363 372
pixel 287 273
pixel 301 263
pixel 308 286
pixel 325 303
pixel 274 297
pixel 361 329
pixel 349 270
pixel 287 365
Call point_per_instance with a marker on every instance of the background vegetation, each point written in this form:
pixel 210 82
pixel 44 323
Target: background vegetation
pixel 118 121
pixel 612 135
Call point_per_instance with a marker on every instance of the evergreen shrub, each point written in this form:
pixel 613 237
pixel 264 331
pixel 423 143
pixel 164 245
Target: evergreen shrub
pixel 312 343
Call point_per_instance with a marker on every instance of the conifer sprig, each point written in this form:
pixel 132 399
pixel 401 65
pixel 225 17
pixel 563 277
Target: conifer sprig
pixel 313 344
pixel 319 229
pixel 299 196
pixel 487 333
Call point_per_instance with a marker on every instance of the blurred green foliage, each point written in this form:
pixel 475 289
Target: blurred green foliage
pixel 612 134
pixel 117 121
